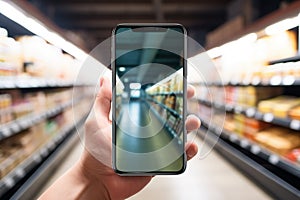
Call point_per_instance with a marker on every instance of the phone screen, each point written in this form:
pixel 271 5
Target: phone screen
pixel 149 91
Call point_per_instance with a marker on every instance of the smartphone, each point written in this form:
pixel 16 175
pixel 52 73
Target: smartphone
pixel 149 99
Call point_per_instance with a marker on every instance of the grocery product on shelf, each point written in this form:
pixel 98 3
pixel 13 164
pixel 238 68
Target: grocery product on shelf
pixel 294 113
pixel 229 124
pixel 5 108
pixel 278 139
pixel 33 56
pixel 15 149
pixel 294 155
pixel 279 106
pixel 166 98
pixel 10 55
pixel 254 56
pixel 252 126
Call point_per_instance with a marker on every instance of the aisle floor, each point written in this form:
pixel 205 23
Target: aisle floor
pixel 212 178
pixel 141 131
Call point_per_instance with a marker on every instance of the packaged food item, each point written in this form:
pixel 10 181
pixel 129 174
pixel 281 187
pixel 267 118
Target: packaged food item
pixel 10 55
pixel 252 126
pixel 294 113
pixel 229 124
pixel 13 151
pixel 6 114
pixel 279 106
pixel 278 139
pixel 294 155
pixel 239 120
pixel 255 94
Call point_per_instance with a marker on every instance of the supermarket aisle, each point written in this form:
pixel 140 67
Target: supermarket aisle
pixel 212 178
pixel 138 123
pixel 209 179
pixel 140 131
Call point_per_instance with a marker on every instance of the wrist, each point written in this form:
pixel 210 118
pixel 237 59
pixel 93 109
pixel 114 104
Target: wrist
pixel 92 183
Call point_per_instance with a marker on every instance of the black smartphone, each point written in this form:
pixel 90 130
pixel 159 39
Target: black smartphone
pixel 149 99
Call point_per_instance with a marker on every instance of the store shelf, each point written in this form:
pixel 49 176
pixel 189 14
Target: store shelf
pixel 251 165
pixel 256 81
pixel 11 180
pixel 170 130
pixel 27 121
pixel 167 93
pixel 30 82
pixel 173 112
pixel 256 149
pixel 290 59
pixel 252 112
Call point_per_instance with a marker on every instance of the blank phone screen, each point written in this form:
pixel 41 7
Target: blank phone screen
pixel 148 98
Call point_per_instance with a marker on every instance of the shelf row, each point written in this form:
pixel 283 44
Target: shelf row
pixel 166 94
pixel 173 112
pixel 252 112
pixel 255 149
pixel 11 179
pixel 27 121
pixel 256 81
pixel 27 83
pixel 166 126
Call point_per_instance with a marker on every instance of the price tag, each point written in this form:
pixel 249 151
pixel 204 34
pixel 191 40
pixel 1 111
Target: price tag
pixel 229 107
pixel 244 143
pixel 295 124
pixel 238 109
pixel 44 152
pixel 250 112
pixel 6 132
pixel 27 122
pixel 275 80
pixel 9 182
pixel 255 149
pixel 22 124
pixel 255 80
pixel 218 105
pixel 288 80
pixel 246 81
pixel 274 159
pixel 268 117
pixel 20 172
pixel 15 127
pixel 37 158
pixel 233 137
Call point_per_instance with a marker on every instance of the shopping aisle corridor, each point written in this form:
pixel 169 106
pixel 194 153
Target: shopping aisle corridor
pixel 212 178
pixel 140 131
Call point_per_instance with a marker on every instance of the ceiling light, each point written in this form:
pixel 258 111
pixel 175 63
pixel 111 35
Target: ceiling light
pixel 135 86
pixel 214 52
pixel 19 16
pixel 283 25
pixel 249 38
pixel 122 69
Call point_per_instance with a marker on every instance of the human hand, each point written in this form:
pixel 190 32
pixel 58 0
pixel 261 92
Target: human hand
pixel 95 163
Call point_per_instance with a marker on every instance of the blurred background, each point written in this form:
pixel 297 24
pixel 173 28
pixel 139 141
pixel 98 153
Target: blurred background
pixel 254 44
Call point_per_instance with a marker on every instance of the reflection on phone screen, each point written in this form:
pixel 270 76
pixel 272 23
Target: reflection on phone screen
pixel 149 99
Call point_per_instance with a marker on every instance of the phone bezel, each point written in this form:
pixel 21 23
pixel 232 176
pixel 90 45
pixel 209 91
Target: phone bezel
pixel 113 56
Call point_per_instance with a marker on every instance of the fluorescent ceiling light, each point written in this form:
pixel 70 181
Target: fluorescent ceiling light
pixel 249 38
pixel 218 51
pixel 283 25
pixel 135 86
pixel 17 15
pixel 122 69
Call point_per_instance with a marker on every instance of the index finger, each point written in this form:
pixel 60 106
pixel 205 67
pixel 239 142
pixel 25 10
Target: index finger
pixel 190 91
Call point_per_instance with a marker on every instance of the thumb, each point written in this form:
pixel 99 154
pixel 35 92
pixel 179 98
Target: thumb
pixel 103 101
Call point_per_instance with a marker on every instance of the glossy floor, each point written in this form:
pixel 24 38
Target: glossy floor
pixel 143 143
pixel 212 178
